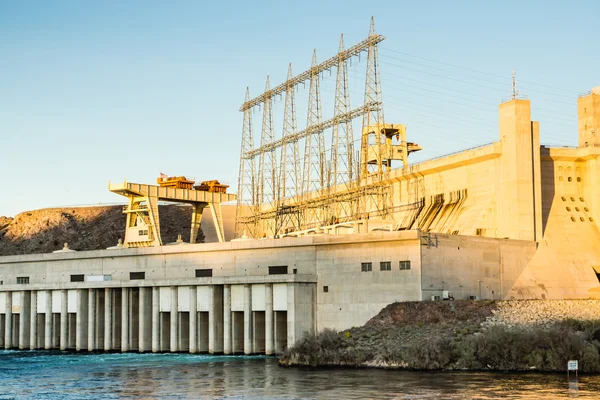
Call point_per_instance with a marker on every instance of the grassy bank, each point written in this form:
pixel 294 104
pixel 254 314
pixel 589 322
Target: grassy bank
pixel 451 335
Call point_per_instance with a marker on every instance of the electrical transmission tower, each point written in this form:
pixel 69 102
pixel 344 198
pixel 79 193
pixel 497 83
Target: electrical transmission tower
pixel 304 192
pixel 267 177
pixel 247 200
pixel 290 175
pixel 342 148
pixel 314 151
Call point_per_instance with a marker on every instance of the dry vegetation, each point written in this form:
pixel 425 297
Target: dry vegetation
pixel 451 335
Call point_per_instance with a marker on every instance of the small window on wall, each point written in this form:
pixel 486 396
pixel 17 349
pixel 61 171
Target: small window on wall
pixel 137 275
pixel 77 278
pixel 143 232
pixel 385 266
pixel 366 267
pixel 278 270
pixel 204 273
pixel 22 280
pixel 325 289
pixel 404 265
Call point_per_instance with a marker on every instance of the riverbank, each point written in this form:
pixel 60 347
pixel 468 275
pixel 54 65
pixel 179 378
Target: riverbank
pixel 539 335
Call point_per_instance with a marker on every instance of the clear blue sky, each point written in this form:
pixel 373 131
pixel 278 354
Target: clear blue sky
pixel 107 90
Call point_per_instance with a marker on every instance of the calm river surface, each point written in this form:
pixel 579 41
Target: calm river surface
pixel 53 375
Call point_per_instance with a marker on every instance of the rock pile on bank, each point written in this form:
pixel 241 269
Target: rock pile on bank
pixel 527 314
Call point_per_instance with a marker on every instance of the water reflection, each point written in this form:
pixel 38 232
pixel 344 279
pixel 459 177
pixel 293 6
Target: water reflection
pixel 155 376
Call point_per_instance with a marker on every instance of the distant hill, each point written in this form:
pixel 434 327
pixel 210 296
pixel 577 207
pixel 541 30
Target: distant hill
pixel 84 228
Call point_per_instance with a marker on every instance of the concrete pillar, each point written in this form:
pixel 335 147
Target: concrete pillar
pixel 174 314
pixel 125 319
pixel 64 333
pixel 81 321
pixel 108 342
pixel 300 310
pixel 155 320
pixel 227 319
pixel 247 319
pixel 24 320
pixel 145 320
pixel 91 339
pixel 193 319
pixel 268 319
pixel 8 322
pixel 196 220
pixel 215 319
pixel 33 336
pixel 48 323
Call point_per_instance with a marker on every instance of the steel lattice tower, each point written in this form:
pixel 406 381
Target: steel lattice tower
pixel 342 137
pixel 314 151
pixel 373 121
pixel 373 137
pixel 290 160
pixel 267 171
pixel 247 196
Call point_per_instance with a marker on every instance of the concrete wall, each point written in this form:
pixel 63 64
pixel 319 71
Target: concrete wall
pixel 472 266
pixel 353 296
pixel 252 258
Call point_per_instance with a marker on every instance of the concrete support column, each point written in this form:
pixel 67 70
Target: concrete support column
pixel 8 321
pixel 108 342
pixel 215 319
pixel 269 319
pixel 64 333
pixel 193 319
pixel 227 319
pixel 145 320
pixel 24 320
pixel 125 319
pixel 155 320
pixel 247 319
pixel 48 322
pixel 174 314
pixel 81 322
pixel 91 339
pixel 33 336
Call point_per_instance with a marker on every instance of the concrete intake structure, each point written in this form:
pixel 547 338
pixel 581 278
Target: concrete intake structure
pixel 178 318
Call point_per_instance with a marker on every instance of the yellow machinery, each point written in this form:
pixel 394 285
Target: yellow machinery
pixel 212 186
pixel 176 182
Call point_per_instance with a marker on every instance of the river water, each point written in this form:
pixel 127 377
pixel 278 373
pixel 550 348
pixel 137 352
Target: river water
pixel 55 375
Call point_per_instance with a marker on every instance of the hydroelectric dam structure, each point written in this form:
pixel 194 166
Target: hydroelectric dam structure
pixel 324 236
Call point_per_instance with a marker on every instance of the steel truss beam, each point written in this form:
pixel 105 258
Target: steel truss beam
pixel 338 119
pixel 355 50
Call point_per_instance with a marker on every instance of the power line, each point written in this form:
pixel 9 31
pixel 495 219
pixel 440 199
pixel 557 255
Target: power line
pixel 474 70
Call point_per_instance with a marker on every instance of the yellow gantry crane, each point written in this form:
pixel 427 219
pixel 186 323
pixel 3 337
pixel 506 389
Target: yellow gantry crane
pixel 143 222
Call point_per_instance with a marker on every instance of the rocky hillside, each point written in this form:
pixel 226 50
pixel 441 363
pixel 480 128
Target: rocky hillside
pixel 467 335
pixel 84 228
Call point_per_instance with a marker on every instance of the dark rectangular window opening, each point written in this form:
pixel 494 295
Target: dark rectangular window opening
pixel 404 265
pixel 325 289
pixel 366 267
pixel 385 266
pixel 278 270
pixel 77 278
pixel 203 273
pixel 137 275
pixel 22 280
